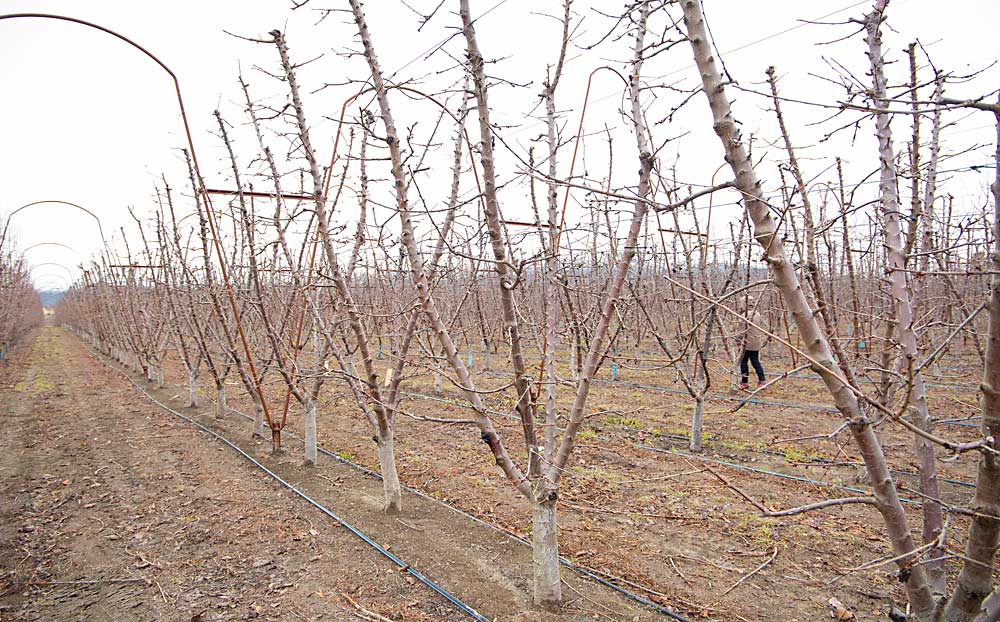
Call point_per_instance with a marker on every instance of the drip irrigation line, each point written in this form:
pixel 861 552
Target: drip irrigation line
pixel 743 467
pixel 799 376
pixel 719 396
pixel 510 534
pixel 724 463
pixel 365 470
pixel 455 403
pixel 938 385
pixel 962 424
pixel 820 460
pixel 729 398
pixel 466 609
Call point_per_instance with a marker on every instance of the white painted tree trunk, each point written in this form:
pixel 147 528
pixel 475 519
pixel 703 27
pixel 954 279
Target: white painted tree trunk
pixel 390 477
pixel 573 362
pixel 545 551
pixel 310 425
pixel 220 402
pixel 192 389
pixel 258 418
pixel 696 421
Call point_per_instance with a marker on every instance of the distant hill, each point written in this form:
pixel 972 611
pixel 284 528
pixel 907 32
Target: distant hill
pixel 51 298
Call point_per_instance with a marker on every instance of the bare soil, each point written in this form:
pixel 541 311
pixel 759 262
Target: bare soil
pixel 114 509
pixel 660 523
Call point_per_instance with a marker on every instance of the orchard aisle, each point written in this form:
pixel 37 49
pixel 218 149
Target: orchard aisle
pixel 113 509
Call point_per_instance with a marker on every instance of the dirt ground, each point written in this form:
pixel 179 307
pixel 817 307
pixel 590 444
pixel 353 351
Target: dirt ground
pixel 114 509
pixel 639 510
pixel 217 536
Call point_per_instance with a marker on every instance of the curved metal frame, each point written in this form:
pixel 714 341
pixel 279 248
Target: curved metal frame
pixel 42 280
pixel 201 182
pixel 3 234
pixel 60 244
pixel 50 263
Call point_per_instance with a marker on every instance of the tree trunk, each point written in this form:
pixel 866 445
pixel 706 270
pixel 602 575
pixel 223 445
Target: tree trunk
pixel 390 477
pixel 896 259
pixel 258 417
pixel 545 551
pixel 976 578
pixel 192 389
pixel 220 402
pixel 817 344
pixel 699 408
pixel 310 439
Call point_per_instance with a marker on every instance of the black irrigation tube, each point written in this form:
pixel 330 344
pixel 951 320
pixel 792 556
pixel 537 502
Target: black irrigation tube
pixel 743 467
pixel 940 385
pixel 734 465
pixel 719 396
pixel 466 609
pixel 459 604
pixel 510 534
pixel 678 437
pixel 814 407
pixel 963 424
pixel 432 398
pixel 821 461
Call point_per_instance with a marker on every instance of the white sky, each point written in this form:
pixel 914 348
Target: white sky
pixel 86 119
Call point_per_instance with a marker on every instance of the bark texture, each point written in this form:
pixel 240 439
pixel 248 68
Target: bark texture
pixel 814 340
pixel 975 581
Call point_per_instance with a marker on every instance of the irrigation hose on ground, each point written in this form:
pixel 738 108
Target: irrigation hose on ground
pixel 798 376
pixel 734 465
pixel 730 398
pixel 586 572
pixel 825 461
pixel 403 565
pixel 466 609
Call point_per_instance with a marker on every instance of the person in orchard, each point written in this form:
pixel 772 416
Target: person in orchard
pixel 754 341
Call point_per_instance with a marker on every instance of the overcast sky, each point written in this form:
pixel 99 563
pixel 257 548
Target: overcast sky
pixel 86 119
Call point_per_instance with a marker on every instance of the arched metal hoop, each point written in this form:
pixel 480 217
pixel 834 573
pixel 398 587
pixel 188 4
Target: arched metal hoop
pixel 201 183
